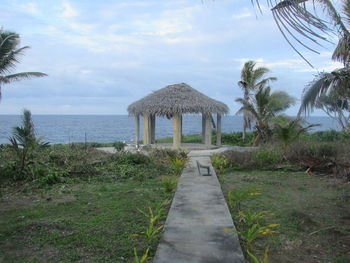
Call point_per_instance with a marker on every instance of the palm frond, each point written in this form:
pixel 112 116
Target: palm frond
pixel 323 84
pixel 9 61
pixel 20 76
pixel 303 28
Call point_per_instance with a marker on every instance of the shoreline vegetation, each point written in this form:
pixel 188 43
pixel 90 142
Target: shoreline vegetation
pixel 73 202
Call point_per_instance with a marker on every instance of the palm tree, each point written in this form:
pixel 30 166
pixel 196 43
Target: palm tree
pixel 9 53
pixel 300 24
pixel 24 142
pixel 251 80
pixel 287 130
pixel 263 106
pixel 326 83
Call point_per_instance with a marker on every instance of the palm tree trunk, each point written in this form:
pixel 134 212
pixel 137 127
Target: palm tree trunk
pixel 244 133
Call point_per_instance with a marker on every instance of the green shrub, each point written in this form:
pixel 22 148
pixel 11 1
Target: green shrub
pixel 236 196
pixel 220 162
pixel 169 183
pixel 177 164
pixel 236 138
pixel 132 158
pixel 119 146
pixel 50 179
pixel 267 156
pixel 312 151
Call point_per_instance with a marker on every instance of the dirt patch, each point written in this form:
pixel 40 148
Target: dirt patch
pixel 302 219
pixel 46 228
pixel 7 203
pixel 64 199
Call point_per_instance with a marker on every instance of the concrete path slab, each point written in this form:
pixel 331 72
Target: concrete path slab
pixel 194 229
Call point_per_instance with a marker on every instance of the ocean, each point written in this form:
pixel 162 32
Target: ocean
pixel 109 128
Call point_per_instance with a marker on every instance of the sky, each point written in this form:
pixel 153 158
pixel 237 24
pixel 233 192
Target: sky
pixel 100 56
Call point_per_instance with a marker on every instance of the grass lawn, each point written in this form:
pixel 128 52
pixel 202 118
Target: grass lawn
pixel 313 213
pixel 82 221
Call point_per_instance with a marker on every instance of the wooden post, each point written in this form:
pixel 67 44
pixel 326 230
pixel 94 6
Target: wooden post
pixel 146 129
pixel 181 122
pixel 153 129
pixel 208 126
pixel 177 131
pixel 218 129
pixel 203 128
pixel 137 129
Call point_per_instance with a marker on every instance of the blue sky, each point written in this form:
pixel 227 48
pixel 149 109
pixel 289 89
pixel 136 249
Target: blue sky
pixel 103 55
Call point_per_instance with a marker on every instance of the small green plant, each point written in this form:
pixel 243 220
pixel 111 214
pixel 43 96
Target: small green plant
pixel 255 259
pixel 250 218
pixel 219 162
pixel 177 164
pixel 152 217
pixel 152 231
pixel 236 196
pixel 143 258
pixel 267 156
pixel 254 232
pixel 50 179
pixel 24 144
pixel 119 146
pixel 169 183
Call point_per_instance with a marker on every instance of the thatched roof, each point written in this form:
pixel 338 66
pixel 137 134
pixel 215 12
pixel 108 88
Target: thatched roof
pixel 177 98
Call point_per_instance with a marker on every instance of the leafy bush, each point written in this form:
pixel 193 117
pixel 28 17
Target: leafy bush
pixel 119 145
pixel 327 136
pixel 240 159
pixel 24 145
pixel 220 162
pixel 177 164
pixel 235 138
pixel 132 158
pixel 236 196
pixel 169 183
pixel 267 156
pixel 50 179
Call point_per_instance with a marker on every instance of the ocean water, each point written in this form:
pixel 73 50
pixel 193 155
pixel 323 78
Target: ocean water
pixel 109 128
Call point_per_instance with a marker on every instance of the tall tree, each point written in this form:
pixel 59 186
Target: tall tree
pixel 336 105
pixel 9 53
pixel 301 24
pixel 262 107
pixel 252 78
pixel 337 81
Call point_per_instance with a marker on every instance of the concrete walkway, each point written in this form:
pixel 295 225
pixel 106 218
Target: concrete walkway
pixel 194 229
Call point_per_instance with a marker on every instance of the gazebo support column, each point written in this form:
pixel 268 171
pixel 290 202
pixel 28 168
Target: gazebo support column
pixel 203 128
pixel 207 136
pixel 137 129
pixel 177 131
pixel 153 128
pixel 218 129
pixel 146 129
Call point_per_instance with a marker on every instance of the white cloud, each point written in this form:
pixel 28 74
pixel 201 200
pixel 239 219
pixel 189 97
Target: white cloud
pixel 244 14
pixel 68 10
pixel 295 64
pixel 31 8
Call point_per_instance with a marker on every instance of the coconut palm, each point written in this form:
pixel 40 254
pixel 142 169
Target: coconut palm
pixel 9 53
pixel 24 142
pixel 300 23
pixel 287 130
pixel 327 83
pixel 263 106
pixel 336 104
pixel 252 78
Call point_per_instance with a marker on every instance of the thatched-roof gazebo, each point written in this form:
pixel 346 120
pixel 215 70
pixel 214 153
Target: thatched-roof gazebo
pixel 171 102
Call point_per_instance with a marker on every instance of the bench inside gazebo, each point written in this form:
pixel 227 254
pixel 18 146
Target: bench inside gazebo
pixel 174 101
